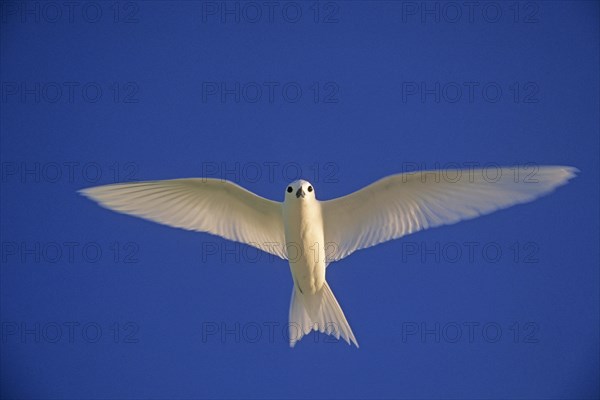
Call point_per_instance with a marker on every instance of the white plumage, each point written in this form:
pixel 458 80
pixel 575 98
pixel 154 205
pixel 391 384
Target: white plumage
pixel 310 233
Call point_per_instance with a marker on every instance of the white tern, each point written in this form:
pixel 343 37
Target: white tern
pixel 310 233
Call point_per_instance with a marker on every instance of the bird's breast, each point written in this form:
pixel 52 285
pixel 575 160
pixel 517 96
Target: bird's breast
pixel 305 246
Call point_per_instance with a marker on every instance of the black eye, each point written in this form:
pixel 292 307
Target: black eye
pixel 290 189
pixel 310 188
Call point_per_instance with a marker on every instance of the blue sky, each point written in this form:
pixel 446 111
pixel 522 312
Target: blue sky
pixel 95 304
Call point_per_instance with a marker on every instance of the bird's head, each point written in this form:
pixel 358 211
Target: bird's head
pixel 299 190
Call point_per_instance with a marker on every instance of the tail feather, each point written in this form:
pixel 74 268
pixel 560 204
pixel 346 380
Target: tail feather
pixel 320 312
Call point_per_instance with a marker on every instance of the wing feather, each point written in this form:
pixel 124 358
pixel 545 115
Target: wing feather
pixel 200 204
pixel 405 203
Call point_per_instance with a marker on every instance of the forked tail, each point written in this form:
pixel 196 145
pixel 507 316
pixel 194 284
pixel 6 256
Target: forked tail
pixel 320 312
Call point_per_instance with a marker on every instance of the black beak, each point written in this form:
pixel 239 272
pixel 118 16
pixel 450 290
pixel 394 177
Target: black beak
pixel 300 192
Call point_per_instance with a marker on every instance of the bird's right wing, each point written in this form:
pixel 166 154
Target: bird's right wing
pixel 405 203
pixel 200 204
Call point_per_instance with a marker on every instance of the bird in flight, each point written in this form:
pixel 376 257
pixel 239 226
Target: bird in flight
pixel 311 234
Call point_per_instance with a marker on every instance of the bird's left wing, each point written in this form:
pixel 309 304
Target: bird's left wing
pixel 200 204
pixel 405 203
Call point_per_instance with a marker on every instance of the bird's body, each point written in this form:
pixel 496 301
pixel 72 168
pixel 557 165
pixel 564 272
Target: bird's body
pixel 313 305
pixel 311 234
pixel 305 241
